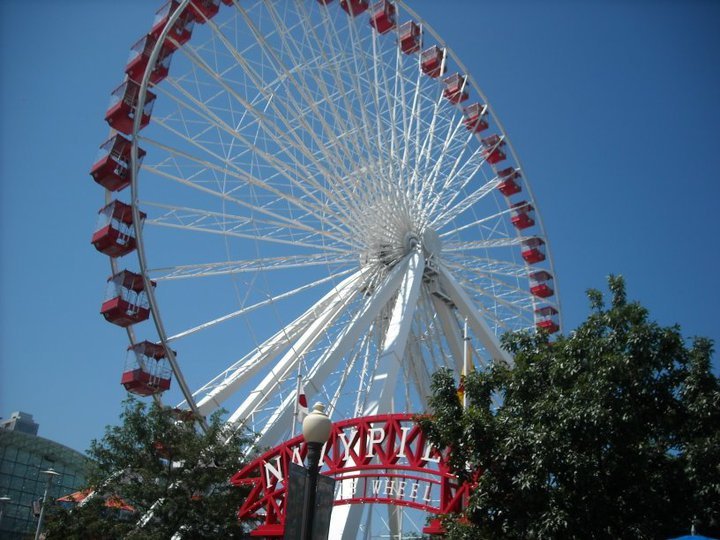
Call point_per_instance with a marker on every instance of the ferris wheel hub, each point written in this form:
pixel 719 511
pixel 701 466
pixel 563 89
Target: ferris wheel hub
pixel 410 241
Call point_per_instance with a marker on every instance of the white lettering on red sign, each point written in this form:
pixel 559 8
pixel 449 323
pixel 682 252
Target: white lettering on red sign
pixel 346 442
pixel 403 441
pixel 275 471
pixel 375 436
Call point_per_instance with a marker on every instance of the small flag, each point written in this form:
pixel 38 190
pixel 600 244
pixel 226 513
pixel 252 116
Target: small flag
pixel 461 390
pixel 302 404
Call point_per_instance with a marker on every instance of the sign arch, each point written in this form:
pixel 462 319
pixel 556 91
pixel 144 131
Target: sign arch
pixel 383 459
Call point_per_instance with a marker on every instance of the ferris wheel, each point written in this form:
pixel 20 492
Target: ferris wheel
pixel 310 191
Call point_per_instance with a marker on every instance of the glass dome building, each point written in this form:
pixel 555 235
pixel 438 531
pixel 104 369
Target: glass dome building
pixel 22 456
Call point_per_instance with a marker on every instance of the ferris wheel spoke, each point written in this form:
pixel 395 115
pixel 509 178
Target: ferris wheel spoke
pixel 431 334
pixel 288 363
pixel 506 306
pixel 387 183
pixel 450 330
pixel 464 170
pixel 486 244
pixel 337 386
pixel 508 294
pixel 352 332
pixel 253 265
pixel 427 152
pixel 281 136
pixel 315 207
pixel 191 182
pixel 289 75
pixel 362 153
pixel 285 137
pixel 453 148
pixel 323 311
pixel 267 301
pixel 328 361
pixel 466 308
pixel 294 48
pixel 485 265
pixel 390 359
pixel 294 233
pixel 359 324
pixel 452 200
pixel 420 374
pixel 459 209
pixel 380 84
pixel 372 143
pixel 368 354
pixel 371 115
pixel 414 132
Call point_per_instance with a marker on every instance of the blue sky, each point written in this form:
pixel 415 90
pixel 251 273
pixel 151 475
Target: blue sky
pixel 612 107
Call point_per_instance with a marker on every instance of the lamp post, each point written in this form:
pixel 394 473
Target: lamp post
pixel 51 474
pixel 316 430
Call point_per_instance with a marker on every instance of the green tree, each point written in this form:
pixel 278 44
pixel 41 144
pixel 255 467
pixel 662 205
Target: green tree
pixel 166 469
pixel 609 432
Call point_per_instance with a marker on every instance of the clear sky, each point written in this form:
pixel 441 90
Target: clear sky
pixel 613 108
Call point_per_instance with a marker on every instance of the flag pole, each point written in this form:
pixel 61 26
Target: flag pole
pixel 466 354
pixel 296 408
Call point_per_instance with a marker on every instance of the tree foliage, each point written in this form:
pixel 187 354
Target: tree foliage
pixel 609 432
pixel 165 468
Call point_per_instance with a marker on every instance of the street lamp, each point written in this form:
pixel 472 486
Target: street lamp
pixel 316 430
pixel 51 474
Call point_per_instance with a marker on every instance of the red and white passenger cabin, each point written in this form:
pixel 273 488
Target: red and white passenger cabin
pixel 123 107
pixel 114 235
pixel 147 370
pixel 382 16
pixel 112 167
pixel 140 56
pixel 126 302
pixel 547 319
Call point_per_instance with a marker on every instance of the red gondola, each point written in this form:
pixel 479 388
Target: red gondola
pixel 140 56
pixel 455 88
pixel 147 371
pixel 493 152
pixel 522 215
pixel 126 300
pixel 476 118
pixel 112 168
pixel 508 186
pixel 410 37
pixel 382 16
pixel 547 319
pixel 533 250
pixel 541 284
pixel 181 31
pixel 115 235
pixel 431 61
pixel 123 105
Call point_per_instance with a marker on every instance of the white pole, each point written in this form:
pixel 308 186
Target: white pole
pixel 297 400
pixel 466 354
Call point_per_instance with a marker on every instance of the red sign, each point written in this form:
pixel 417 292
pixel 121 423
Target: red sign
pixel 377 459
